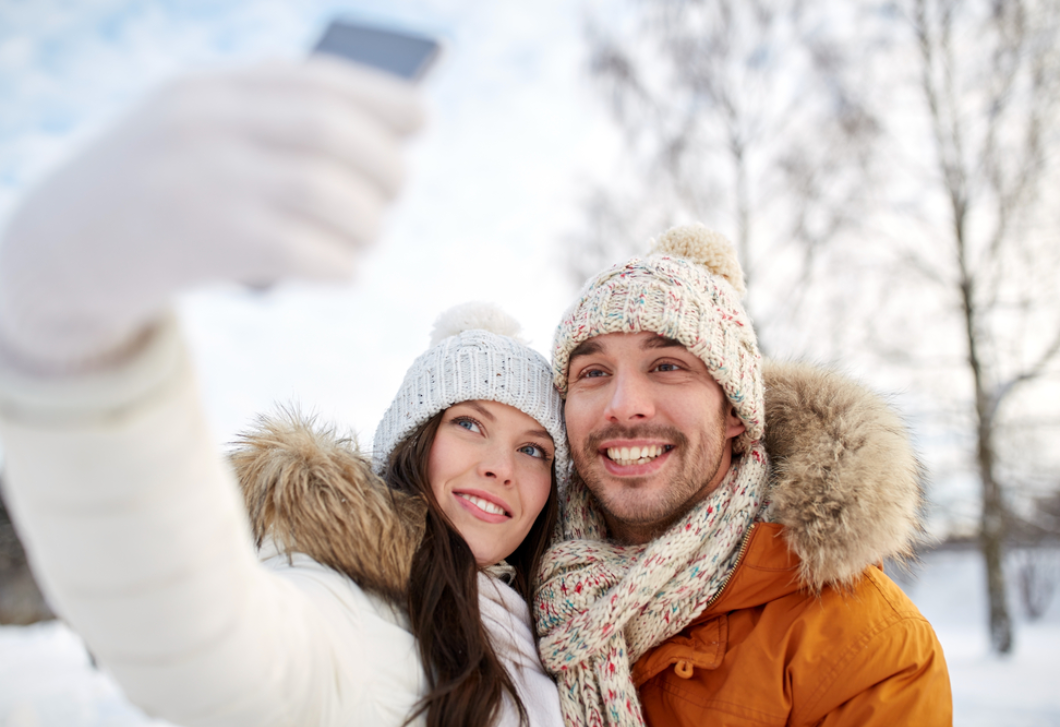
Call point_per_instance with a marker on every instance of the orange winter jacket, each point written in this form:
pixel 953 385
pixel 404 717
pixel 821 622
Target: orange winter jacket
pixel 769 652
pixel 808 630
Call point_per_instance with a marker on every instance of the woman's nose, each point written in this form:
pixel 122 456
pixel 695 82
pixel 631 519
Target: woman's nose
pixel 498 464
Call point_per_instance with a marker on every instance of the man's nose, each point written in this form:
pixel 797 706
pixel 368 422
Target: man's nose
pixel 631 399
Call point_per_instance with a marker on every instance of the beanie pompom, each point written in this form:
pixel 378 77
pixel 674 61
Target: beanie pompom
pixel 703 246
pixel 474 316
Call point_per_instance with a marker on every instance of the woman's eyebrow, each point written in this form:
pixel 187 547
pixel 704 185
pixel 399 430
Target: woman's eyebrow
pixel 539 433
pixel 480 409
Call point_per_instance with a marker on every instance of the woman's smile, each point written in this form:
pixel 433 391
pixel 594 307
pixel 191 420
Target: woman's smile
pixel 490 469
pixel 483 505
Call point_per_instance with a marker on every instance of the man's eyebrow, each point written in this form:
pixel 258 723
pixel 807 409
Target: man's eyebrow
pixel 585 348
pixel 661 342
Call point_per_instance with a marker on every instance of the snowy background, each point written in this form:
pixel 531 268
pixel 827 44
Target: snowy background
pixel 494 188
pixel 46 679
pixel 498 181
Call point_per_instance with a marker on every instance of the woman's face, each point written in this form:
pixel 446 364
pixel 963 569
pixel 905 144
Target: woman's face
pixel 490 468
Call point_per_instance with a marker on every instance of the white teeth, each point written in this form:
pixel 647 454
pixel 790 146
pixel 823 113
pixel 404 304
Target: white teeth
pixel 626 456
pixel 482 504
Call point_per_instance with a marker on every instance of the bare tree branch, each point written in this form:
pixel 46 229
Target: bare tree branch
pixel 1035 370
pixel 706 90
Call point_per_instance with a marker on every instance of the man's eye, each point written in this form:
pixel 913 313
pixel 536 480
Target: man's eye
pixel 667 367
pixel 593 374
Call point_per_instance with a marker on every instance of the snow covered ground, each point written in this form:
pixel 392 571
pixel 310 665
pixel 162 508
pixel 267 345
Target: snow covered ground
pixel 1021 690
pixel 46 679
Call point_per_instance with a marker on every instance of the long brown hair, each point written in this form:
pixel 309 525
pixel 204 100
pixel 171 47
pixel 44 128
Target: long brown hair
pixel 466 680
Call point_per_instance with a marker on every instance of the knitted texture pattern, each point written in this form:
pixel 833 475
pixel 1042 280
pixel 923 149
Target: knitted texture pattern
pixel 474 364
pixel 600 606
pixel 688 289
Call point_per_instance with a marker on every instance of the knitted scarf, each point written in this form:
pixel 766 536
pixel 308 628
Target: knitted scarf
pixel 601 606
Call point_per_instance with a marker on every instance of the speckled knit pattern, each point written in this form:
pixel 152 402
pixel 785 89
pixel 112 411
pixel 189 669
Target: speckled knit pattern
pixel 601 606
pixel 688 289
pixel 473 364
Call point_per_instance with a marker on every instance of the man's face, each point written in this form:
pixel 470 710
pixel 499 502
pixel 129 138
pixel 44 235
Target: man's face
pixel 650 430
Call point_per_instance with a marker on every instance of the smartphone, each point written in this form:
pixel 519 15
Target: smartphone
pixel 404 54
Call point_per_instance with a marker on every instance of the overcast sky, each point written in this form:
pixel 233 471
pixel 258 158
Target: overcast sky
pixel 516 139
pixel 495 191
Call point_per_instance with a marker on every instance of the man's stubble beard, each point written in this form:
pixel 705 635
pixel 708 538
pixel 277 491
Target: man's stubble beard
pixel 629 512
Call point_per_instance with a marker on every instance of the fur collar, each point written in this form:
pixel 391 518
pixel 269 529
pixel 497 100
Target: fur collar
pixel 845 479
pixel 311 491
pixel 845 484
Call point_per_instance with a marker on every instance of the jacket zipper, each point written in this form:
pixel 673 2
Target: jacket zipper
pixel 728 576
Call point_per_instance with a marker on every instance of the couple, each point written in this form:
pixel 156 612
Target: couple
pixel 676 574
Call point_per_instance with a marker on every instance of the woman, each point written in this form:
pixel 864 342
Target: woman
pixel 372 605
pixel 469 450
pixel 133 521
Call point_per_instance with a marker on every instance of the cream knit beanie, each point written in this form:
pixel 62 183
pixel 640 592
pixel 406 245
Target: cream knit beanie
pixel 688 288
pixel 474 355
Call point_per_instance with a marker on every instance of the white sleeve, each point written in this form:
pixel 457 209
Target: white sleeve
pixel 136 529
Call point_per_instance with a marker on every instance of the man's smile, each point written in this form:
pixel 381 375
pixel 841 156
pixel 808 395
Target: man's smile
pixel 631 455
pixel 634 458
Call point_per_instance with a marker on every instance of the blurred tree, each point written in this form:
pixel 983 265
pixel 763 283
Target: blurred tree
pixel 1038 561
pixel 988 74
pixel 745 114
pixel 21 601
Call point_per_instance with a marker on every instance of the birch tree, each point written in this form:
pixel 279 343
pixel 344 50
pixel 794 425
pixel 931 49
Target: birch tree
pixel 745 114
pixel 987 73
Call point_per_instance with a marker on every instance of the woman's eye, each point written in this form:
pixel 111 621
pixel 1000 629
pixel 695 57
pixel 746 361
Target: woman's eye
pixel 469 424
pixel 534 451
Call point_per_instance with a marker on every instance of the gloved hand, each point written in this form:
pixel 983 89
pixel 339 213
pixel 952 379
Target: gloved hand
pixel 277 171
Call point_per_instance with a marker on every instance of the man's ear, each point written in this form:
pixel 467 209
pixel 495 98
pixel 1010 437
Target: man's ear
pixel 734 425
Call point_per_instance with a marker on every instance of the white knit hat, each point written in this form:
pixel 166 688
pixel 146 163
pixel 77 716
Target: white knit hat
pixel 474 355
pixel 688 288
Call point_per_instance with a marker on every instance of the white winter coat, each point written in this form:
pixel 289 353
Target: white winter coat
pixel 137 530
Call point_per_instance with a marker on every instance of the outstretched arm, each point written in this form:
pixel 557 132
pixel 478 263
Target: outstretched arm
pixel 131 519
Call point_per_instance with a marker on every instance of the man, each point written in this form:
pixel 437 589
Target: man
pixel 722 586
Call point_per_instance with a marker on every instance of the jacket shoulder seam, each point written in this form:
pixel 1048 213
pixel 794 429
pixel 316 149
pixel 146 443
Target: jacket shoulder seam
pixel 860 645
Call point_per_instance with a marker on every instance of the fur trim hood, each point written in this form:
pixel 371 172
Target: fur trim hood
pixel 311 491
pixel 845 484
pixel 845 481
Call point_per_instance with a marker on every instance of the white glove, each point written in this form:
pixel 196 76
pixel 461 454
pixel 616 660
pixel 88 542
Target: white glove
pixel 277 171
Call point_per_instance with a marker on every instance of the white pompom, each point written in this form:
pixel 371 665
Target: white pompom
pixel 474 316
pixel 702 245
